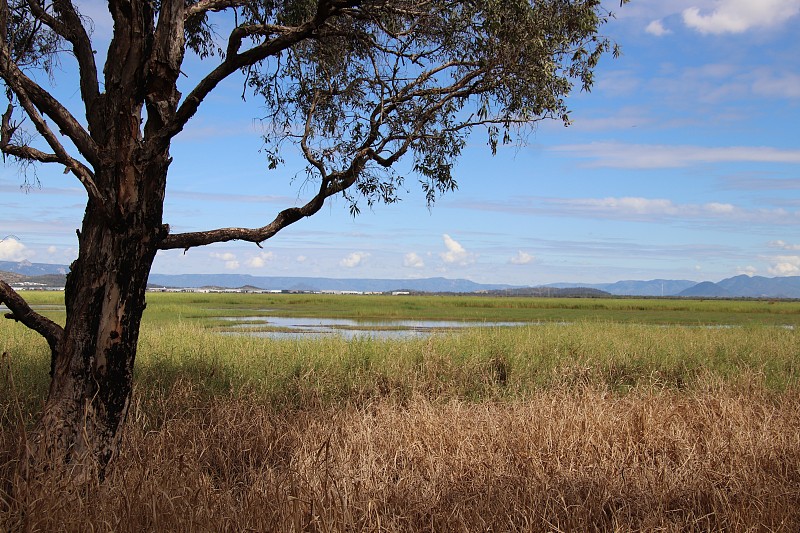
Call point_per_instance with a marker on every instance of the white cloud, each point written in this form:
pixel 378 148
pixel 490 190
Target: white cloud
pixel 619 119
pixel 619 83
pixel 644 209
pixel 354 259
pixel 780 85
pixel 653 208
pixel 747 271
pixel 522 258
pixel 13 250
pixel 657 28
pixel 786 265
pixel 737 16
pixel 455 254
pixel 648 156
pixel 260 260
pixel 631 205
pixel 52 250
pixel 784 245
pixel 716 208
pixel 412 260
pixel 301 259
pixel 231 263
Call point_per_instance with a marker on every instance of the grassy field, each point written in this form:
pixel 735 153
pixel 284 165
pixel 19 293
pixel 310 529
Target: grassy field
pixel 171 307
pixel 612 415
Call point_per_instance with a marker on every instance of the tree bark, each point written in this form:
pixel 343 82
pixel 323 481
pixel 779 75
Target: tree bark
pixel 92 366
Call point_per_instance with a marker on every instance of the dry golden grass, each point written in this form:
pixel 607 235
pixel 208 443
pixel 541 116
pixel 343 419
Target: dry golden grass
pixel 716 458
pixel 587 427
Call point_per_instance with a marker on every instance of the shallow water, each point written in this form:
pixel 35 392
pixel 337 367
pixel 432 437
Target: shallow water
pixel 349 329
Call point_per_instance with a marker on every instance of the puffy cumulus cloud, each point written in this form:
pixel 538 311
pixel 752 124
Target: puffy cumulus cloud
pixel 522 258
pixel 657 28
pixel 231 262
pixel 301 259
pixel 413 260
pixel 785 265
pixel 455 254
pixel 747 270
pixel 52 250
pixel 13 250
pixel 260 260
pixel 354 259
pixel 737 16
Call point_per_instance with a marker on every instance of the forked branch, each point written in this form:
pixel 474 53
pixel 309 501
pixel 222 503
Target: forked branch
pixel 281 39
pixel 60 155
pixel 47 105
pixel 22 312
pixel 69 26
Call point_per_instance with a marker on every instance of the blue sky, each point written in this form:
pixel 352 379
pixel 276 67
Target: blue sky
pixel 682 163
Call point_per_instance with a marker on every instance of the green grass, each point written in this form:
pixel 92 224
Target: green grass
pixel 600 347
pixel 592 424
pixel 162 308
pixel 178 343
pixel 490 363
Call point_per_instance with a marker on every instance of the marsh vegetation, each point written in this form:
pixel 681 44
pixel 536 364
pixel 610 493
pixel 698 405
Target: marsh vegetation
pixel 600 415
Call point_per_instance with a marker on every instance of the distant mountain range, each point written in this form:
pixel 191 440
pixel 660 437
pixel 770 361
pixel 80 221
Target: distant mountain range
pixel 654 287
pixel 735 287
pixel 323 284
pixel 26 268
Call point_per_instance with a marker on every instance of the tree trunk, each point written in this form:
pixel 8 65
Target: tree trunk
pixel 92 367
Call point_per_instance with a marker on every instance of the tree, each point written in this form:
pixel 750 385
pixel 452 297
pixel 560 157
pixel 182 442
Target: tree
pixel 354 86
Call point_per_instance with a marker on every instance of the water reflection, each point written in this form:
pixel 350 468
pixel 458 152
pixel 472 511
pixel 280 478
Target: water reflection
pixel 292 328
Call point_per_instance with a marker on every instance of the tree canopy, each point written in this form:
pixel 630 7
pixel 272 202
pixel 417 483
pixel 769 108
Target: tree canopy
pixel 354 86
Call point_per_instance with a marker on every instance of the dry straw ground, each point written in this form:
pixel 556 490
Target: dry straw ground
pixel 570 460
pixel 622 430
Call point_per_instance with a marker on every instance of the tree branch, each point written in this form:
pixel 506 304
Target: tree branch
pixel 336 183
pixel 232 63
pixel 70 27
pixel 164 66
pixel 28 89
pixel 84 175
pixel 22 312
pixel 204 6
pixel 287 37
